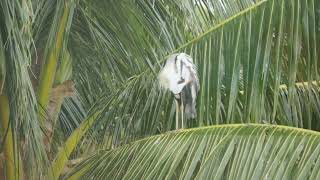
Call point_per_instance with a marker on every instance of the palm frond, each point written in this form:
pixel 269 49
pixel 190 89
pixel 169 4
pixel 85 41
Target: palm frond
pixel 215 152
pixel 16 31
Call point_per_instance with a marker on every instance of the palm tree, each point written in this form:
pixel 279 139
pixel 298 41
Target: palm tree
pixel 78 89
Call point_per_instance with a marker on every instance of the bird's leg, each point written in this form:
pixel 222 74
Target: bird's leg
pixel 182 112
pixel 177 113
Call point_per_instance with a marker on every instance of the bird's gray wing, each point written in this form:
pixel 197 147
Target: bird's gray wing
pixel 188 99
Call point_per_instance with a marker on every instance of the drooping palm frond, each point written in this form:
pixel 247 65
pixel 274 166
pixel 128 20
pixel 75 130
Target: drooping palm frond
pixel 16 21
pixel 217 152
pixel 254 53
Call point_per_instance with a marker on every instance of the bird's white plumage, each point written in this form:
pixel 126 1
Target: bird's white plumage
pixel 178 67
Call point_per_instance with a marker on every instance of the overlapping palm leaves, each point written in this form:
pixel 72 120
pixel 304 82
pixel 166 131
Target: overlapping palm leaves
pixel 257 60
pixel 16 31
pixel 216 152
pixel 245 55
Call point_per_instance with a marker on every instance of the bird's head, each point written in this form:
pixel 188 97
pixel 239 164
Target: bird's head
pixel 184 57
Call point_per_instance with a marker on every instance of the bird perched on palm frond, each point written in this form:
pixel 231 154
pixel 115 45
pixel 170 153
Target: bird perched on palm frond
pixel 179 75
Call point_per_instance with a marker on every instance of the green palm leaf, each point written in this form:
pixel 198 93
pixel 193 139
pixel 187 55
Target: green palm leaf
pixel 217 152
pixel 16 20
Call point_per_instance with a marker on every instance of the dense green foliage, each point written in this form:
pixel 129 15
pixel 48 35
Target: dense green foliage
pixel 258 62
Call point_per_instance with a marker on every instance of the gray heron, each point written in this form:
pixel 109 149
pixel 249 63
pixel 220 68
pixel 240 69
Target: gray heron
pixel 179 75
